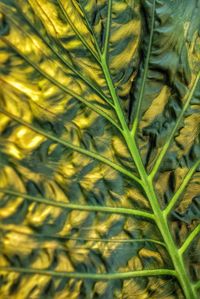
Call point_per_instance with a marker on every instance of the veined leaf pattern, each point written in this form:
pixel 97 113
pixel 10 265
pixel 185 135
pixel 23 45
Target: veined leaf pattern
pixel 99 156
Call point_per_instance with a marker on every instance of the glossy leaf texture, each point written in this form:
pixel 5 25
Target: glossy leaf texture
pixel 99 155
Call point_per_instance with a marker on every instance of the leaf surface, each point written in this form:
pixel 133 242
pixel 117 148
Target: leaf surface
pixel 99 156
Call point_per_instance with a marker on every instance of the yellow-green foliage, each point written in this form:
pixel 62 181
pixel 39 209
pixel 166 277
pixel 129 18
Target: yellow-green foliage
pixel 99 152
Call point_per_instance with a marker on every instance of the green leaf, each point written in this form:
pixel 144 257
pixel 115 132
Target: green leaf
pixel 99 155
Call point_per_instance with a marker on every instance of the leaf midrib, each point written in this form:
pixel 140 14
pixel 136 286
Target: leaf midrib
pixel 148 187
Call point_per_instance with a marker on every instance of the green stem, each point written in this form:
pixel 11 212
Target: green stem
pixel 71 206
pixel 84 239
pixel 107 33
pixel 189 239
pixel 172 249
pixel 173 132
pixel 90 29
pixel 145 73
pixel 95 276
pixel 147 183
pixel 161 221
pixel 183 185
